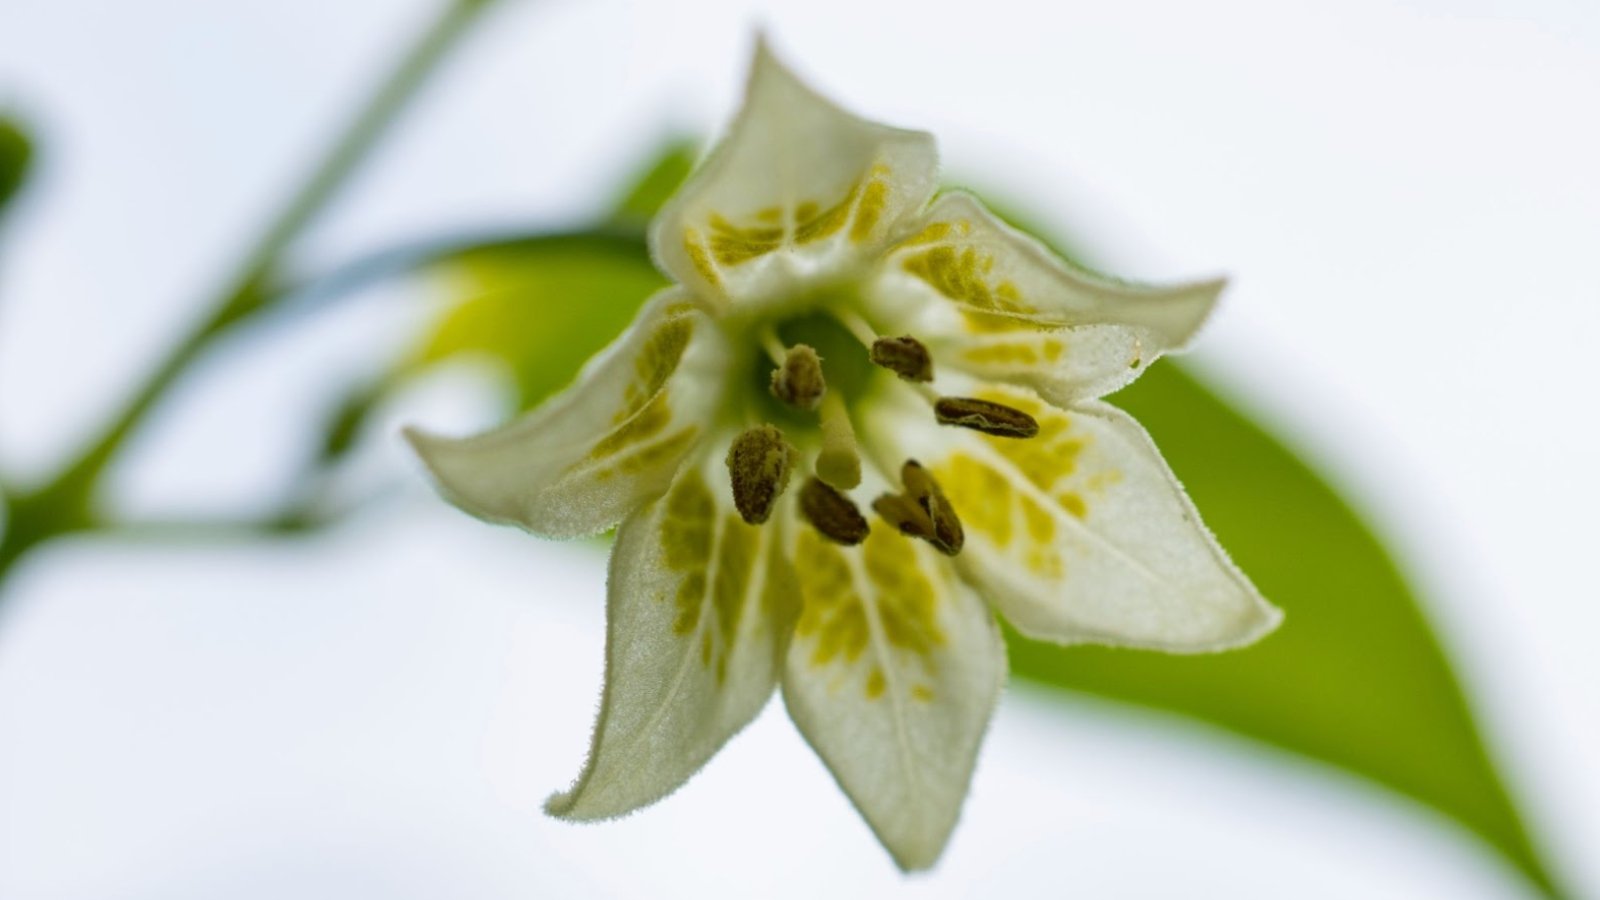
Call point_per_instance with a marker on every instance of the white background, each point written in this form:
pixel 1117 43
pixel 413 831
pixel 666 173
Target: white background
pixel 1406 193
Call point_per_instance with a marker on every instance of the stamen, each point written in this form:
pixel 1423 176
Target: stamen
pixel 947 534
pixel 798 379
pixel 922 511
pixel 838 463
pixel 857 326
pixel 984 416
pixel 759 463
pixel 905 356
pixel 832 513
pixel 904 514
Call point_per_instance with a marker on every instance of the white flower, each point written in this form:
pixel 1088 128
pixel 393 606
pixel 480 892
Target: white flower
pixel 833 322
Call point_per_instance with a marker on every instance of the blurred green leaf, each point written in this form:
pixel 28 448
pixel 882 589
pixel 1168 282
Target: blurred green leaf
pixel 541 309
pixel 655 182
pixel 1355 677
pixel 16 152
pixel 544 307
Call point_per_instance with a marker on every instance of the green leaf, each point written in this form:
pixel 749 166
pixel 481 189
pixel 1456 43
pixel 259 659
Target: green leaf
pixel 542 308
pixel 655 182
pixel 16 152
pixel 1354 677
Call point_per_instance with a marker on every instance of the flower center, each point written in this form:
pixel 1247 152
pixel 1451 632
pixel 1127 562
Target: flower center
pixel 810 373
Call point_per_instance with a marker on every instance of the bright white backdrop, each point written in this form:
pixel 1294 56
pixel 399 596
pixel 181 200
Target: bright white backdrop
pixel 1405 192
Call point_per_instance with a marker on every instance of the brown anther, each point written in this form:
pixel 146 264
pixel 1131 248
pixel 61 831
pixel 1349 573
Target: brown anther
pixel 982 415
pixel 905 356
pixel 904 514
pixel 798 382
pixel 759 462
pixel 832 513
pixel 945 528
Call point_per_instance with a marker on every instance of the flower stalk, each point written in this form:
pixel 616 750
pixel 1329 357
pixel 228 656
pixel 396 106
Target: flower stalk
pixel 65 503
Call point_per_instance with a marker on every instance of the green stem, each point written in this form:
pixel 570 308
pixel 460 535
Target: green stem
pixel 247 292
pixel 414 255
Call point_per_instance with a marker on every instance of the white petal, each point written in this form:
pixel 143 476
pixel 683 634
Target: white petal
pixel 1082 534
pixel 993 302
pixel 892 675
pixel 797 186
pixel 583 460
pixel 700 605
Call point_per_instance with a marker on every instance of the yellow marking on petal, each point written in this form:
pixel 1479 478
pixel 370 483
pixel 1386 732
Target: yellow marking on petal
pixel 876 683
pixel 933 233
pixel 922 693
pixel 1041 528
pixel 780 594
pixel 989 504
pixel 981 322
pixel 874 201
pixel 700 257
pixel 962 274
pixel 1073 503
pixel 1001 355
pixel 811 226
pixel 646 409
pixel 686 542
pixel 905 595
pixel 771 215
pixel 645 424
pixel 651 455
pixel 736 558
pixel 978 492
pixel 1028 348
pixel 832 611
pixel 732 244
pixel 657 359
pixel 715 565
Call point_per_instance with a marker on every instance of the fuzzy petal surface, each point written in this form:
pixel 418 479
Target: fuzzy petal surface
pixel 1082 534
pixel 698 613
pixel 999 305
pixel 892 676
pixel 582 461
pixel 797 188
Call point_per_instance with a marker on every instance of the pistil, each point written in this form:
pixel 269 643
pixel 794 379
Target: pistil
pixel 838 463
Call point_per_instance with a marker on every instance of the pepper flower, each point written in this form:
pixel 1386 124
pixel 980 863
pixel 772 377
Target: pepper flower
pixel 863 422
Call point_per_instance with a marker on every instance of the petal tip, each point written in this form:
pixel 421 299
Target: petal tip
pixel 765 62
pixel 564 805
pixel 426 445
pixel 1198 300
pixel 923 857
pixel 1254 624
pixel 421 441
